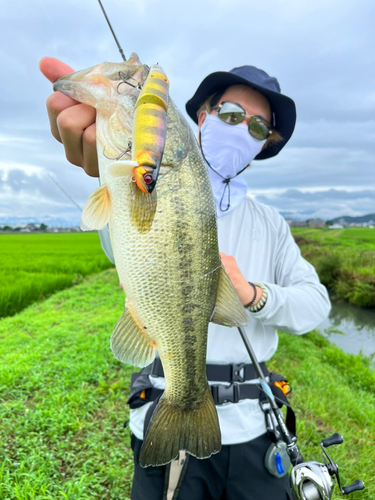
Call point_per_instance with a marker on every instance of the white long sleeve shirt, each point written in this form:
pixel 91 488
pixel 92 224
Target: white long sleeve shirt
pixel 265 251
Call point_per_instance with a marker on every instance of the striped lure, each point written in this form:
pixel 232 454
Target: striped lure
pixel 149 132
pixel 150 129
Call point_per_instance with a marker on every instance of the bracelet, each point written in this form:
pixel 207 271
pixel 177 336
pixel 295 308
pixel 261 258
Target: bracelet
pixel 255 295
pixel 262 301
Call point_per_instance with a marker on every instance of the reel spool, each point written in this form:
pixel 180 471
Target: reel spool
pixel 313 481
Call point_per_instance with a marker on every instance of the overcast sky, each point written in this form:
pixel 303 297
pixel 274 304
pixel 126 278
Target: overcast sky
pixel 322 53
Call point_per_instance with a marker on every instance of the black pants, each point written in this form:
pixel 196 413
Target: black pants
pixel 237 472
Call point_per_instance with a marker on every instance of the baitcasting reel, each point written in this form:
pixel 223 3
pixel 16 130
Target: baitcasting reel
pixel 312 480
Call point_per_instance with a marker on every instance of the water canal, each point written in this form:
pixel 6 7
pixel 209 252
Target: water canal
pixel 351 328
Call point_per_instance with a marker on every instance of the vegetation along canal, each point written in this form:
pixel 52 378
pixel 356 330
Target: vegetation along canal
pixel 345 262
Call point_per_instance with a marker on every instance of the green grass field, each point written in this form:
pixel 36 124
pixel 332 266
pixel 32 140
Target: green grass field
pixel 63 399
pixel 344 260
pixel 33 266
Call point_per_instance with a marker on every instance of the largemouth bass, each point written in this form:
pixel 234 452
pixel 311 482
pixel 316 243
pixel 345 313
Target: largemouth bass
pixel 166 254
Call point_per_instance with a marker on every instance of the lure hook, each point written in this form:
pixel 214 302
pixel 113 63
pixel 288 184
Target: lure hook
pixel 122 76
pixel 121 154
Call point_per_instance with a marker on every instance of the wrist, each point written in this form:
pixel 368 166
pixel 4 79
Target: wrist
pixel 250 292
pixel 260 302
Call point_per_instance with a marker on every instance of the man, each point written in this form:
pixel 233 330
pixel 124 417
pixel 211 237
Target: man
pixel 241 116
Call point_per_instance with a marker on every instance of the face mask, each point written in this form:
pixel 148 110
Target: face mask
pixel 228 150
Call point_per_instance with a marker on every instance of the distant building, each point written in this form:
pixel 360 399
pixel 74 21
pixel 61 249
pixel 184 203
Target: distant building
pixel 342 221
pixel 298 223
pixel 316 223
pixel 336 226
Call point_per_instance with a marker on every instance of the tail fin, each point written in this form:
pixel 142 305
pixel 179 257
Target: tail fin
pixel 172 429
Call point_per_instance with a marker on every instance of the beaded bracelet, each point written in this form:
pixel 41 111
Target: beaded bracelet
pixel 262 301
pixel 255 295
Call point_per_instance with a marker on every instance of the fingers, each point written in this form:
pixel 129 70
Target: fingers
pixel 90 156
pixel 56 104
pixel 71 123
pixel 228 261
pixel 53 69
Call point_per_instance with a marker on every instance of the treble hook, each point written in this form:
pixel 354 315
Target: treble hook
pixel 122 75
pixel 121 154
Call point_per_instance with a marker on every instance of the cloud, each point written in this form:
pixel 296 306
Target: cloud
pixel 323 204
pixel 320 52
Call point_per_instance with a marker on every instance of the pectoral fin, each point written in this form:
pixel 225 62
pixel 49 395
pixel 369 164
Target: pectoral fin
pixel 130 342
pixel 229 310
pixel 97 210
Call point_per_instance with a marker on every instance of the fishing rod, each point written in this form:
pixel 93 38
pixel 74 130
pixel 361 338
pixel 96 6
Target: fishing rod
pixel 308 480
pixel 113 33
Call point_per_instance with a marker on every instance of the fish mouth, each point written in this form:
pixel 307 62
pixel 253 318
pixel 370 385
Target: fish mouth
pixel 73 78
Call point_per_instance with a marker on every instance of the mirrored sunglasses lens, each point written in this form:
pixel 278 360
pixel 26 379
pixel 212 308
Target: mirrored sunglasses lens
pixel 231 113
pixel 258 128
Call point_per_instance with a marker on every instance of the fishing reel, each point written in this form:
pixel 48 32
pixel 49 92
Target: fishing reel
pixel 313 480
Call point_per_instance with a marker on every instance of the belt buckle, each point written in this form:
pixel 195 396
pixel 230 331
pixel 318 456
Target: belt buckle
pixel 227 393
pixel 236 372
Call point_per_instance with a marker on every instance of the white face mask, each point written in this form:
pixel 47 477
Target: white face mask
pixel 227 149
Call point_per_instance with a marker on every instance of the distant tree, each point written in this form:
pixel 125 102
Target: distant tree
pixel 43 227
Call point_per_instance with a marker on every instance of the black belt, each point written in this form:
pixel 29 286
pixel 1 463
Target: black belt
pixel 220 373
pixel 220 393
pixel 231 392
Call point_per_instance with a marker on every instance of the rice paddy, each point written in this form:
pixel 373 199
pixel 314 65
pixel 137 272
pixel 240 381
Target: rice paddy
pixel 33 266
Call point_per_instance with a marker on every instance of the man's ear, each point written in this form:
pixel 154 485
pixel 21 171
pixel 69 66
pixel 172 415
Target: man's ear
pixel 201 118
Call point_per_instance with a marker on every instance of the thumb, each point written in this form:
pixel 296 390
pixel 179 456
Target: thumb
pixel 53 69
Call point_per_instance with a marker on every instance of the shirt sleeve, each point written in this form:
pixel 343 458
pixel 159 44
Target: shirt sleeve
pixel 298 302
pixel 105 241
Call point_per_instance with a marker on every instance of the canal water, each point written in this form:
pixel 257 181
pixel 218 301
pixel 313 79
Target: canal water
pixel 351 328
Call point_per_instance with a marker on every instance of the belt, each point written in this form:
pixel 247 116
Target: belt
pixel 219 373
pixel 220 393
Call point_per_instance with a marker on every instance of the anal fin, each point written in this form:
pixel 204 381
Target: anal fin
pixel 97 210
pixel 229 310
pixel 130 342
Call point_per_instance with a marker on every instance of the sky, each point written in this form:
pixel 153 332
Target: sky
pixel 321 52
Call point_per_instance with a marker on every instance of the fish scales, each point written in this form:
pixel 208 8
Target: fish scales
pixel 180 242
pixel 166 254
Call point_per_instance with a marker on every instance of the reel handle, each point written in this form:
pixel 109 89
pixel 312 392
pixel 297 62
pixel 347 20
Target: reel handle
pixel 336 438
pixel 356 486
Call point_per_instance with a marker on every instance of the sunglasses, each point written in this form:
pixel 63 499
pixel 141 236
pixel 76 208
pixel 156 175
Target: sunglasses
pixel 233 114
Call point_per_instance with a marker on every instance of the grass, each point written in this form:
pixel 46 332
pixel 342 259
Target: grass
pixel 33 266
pixel 344 260
pixel 63 399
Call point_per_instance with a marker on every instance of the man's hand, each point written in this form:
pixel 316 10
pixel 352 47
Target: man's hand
pixel 243 289
pixel 72 123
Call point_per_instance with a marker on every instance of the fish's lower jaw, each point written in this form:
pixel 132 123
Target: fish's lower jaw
pixel 172 429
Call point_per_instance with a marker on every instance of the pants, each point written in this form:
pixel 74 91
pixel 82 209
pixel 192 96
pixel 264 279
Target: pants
pixel 237 472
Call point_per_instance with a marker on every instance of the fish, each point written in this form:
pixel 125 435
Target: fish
pixel 165 247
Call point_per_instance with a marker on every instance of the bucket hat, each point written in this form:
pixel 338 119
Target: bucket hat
pixel 282 107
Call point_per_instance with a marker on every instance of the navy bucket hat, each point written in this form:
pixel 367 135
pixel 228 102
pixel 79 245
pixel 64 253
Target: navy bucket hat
pixel 282 107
